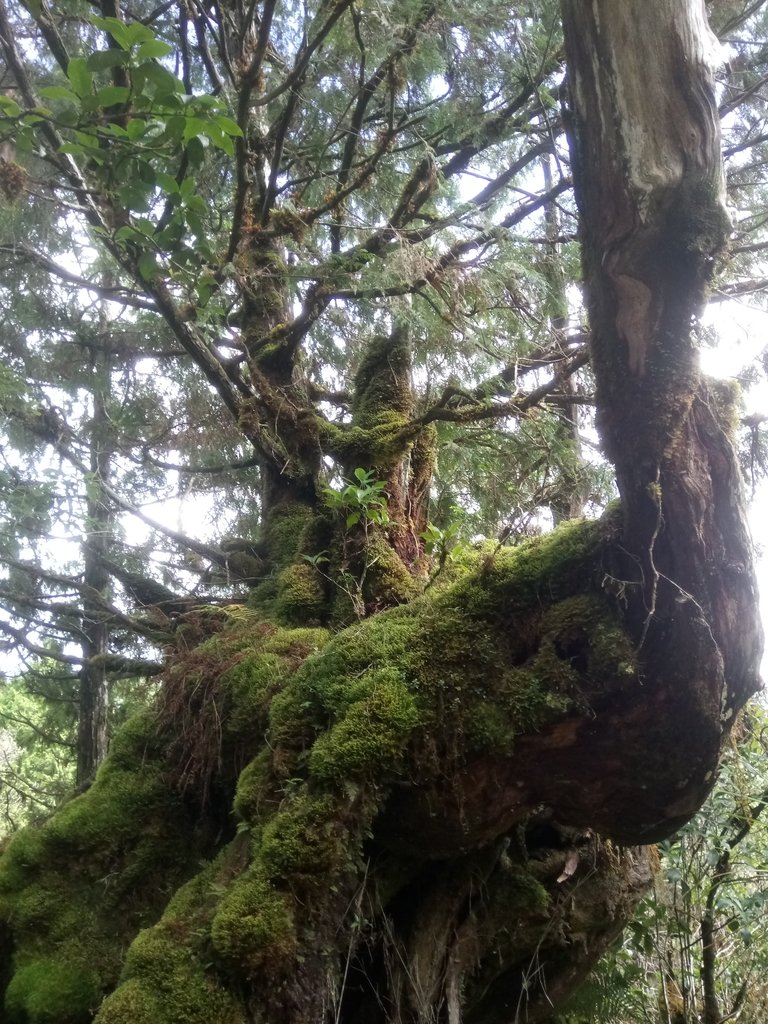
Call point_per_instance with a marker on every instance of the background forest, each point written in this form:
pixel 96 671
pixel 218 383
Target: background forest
pixel 262 256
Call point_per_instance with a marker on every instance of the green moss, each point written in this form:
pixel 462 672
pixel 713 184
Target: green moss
pixel 137 742
pixel 491 729
pixel 76 890
pixel 300 594
pixel 542 570
pixel 21 859
pixel 255 795
pixel 325 687
pixel 284 531
pixel 51 992
pixel 380 445
pixel 372 735
pixel 132 1003
pixel 516 894
pixel 583 648
pixel 166 983
pixel 387 579
pixel 168 977
pixel 253 928
pixel 382 382
pixel 307 839
pixel 382 407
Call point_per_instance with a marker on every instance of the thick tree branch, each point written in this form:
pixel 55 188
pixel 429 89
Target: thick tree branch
pixel 22 254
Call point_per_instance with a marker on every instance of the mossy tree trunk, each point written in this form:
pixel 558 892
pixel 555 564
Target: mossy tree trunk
pixel 417 839
pixel 278 409
pixel 341 560
pixel 296 444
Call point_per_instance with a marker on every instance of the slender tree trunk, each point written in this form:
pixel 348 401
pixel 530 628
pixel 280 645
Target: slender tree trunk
pixel 94 685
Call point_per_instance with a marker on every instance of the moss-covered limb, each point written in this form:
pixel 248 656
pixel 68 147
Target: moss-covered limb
pixel 293 592
pixel 410 746
pixel 327 568
pixel 514 648
pixel 384 438
pixel 382 434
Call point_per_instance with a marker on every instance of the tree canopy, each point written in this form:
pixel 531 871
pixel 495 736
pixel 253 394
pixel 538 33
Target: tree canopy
pixel 312 274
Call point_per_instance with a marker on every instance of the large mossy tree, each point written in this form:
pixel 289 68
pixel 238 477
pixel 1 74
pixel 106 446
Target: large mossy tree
pixel 368 790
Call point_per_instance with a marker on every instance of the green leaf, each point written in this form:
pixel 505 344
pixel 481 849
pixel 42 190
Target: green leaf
pixel 220 140
pixel 73 149
pixel 146 172
pixel 58 92
pixel 174 127
pixel 136 33
pixel 196 152
pixel 103 60
pixel 9 107
pixel 206 102
pixel 171 236
pixel 79 76
pixel 116 28
pixel 87 140
pixel 167 183
pixel 194 128
pixel 196 224
pixel 228 126
pixel 125 234
pixel 116 130
pixel 162 79
pixel 147 265
pixel 153 48
pixel 136 128
pixel 110 95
